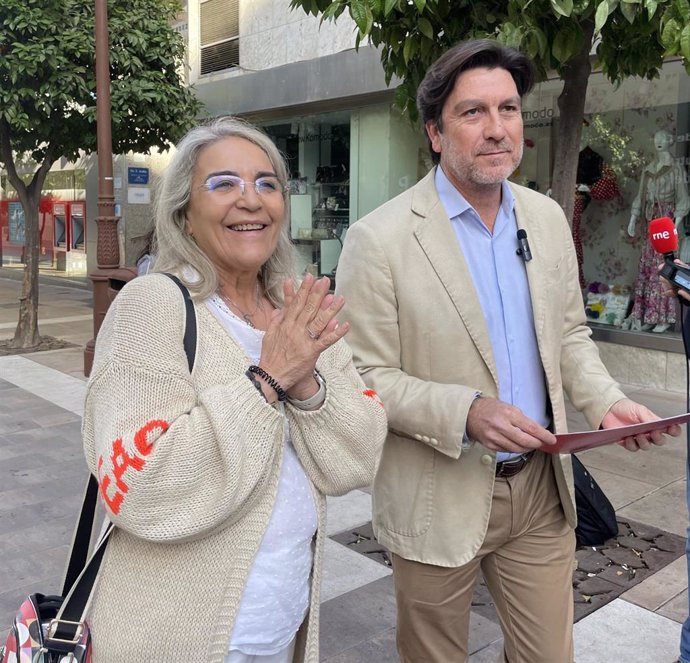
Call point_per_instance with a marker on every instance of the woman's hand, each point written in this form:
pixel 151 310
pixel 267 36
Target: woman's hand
pixel 299 333
pixel 670 290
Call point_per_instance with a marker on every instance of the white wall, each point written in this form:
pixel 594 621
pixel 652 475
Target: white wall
pixel 271 35
pixel 385 155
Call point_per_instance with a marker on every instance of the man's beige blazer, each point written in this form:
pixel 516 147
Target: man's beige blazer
pixel 420 340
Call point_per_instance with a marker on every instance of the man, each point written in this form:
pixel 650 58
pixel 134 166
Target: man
pixel 470 346
pixel 671 290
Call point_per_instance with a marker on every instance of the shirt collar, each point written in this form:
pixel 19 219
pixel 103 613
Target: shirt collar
pixel 456 204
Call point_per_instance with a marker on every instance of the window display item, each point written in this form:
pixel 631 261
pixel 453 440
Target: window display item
pixel 607 304
pixel 662 192
pixel 595 181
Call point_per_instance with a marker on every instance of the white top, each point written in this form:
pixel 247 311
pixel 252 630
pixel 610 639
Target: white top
pixel 276 596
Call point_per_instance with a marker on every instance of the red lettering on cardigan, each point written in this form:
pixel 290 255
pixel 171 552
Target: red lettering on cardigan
pixel 112 503
pixel 141 438
pixel 370 393
pixel 121 461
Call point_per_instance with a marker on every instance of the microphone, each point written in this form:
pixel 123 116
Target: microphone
pixel 523 245
pixel 664 238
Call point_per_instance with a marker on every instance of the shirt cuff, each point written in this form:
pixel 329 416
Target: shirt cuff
pixel 313 402
pixel 466 442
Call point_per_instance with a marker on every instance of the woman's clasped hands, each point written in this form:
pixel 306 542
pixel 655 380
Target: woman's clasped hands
pixel 299 332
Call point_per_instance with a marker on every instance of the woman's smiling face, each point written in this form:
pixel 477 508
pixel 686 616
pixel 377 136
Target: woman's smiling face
pixel 238 231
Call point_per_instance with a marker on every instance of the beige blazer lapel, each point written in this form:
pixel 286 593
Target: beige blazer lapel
pixel 539 266
pixel 435 235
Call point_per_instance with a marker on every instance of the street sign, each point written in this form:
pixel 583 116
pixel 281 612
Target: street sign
pixel 137 175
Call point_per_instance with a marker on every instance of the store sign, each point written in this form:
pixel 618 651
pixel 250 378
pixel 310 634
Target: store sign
pixel 137 175
pixel 311 138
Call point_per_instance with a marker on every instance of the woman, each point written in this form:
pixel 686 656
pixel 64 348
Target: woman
pixel 147 255
pixel 215 481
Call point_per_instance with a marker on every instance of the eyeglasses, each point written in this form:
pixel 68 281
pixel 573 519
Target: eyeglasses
pixel 227 186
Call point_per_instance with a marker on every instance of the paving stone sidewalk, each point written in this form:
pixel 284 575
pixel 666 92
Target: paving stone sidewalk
pixel 632 617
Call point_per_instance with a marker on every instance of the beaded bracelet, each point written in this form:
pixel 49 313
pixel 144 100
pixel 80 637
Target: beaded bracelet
pixel 257 384
pixel 270 380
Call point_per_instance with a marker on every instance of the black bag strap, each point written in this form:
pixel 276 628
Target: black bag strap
pixel 80 577
pixel 189 340
pixel 65 630
pixel 82 536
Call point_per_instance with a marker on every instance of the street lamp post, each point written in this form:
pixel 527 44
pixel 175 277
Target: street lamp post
pixel 107 247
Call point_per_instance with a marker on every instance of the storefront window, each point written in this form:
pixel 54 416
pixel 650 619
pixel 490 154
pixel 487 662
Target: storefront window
pixel 61 223
pixel 317 149
pixel 633 167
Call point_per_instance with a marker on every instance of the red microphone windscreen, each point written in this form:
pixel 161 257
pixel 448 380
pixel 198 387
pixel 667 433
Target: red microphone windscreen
pixel 663 235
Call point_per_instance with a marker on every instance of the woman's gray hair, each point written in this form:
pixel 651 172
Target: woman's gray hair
pixel 176 249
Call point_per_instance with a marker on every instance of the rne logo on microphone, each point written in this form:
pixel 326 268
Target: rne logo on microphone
pixel 665 234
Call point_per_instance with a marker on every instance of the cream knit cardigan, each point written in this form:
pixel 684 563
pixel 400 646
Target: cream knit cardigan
pixel 189 466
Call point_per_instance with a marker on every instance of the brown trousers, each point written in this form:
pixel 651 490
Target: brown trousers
pixel 527 559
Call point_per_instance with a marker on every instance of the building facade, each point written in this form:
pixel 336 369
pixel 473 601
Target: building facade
pixel 328 108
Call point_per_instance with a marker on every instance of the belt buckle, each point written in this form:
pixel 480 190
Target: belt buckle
pixel 509 468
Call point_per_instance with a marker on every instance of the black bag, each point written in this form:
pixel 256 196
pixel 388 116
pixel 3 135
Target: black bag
pixel 596 518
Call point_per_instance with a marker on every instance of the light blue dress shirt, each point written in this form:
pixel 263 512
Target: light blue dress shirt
pixel 500 280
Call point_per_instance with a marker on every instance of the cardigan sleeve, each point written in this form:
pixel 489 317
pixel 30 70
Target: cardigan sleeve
pixel 172 462
pixel 339 444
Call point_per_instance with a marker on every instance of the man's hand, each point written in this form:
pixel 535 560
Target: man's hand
pixel 625 413
pixel 502 427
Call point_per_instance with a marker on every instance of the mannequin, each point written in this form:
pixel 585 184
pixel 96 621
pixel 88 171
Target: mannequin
pixel 595 181
pixel 662 192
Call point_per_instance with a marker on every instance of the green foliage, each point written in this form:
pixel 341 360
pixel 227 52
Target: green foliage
pixel 48 97
pixel 47 76
pixel 633 35
pixel 625 162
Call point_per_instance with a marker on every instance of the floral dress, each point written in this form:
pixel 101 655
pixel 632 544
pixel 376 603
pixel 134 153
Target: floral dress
pixel 662 193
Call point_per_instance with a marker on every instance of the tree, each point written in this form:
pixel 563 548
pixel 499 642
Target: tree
pixel 48 100
pixel 630 38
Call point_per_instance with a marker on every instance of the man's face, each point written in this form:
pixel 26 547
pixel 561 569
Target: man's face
pixel 481 142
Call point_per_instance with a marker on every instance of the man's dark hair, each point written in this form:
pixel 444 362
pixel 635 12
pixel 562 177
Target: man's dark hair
pixel 440 79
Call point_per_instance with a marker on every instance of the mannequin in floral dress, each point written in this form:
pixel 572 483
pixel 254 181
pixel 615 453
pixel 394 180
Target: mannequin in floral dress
pixel 662 192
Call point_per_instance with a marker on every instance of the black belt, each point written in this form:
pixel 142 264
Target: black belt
pixel 509 468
